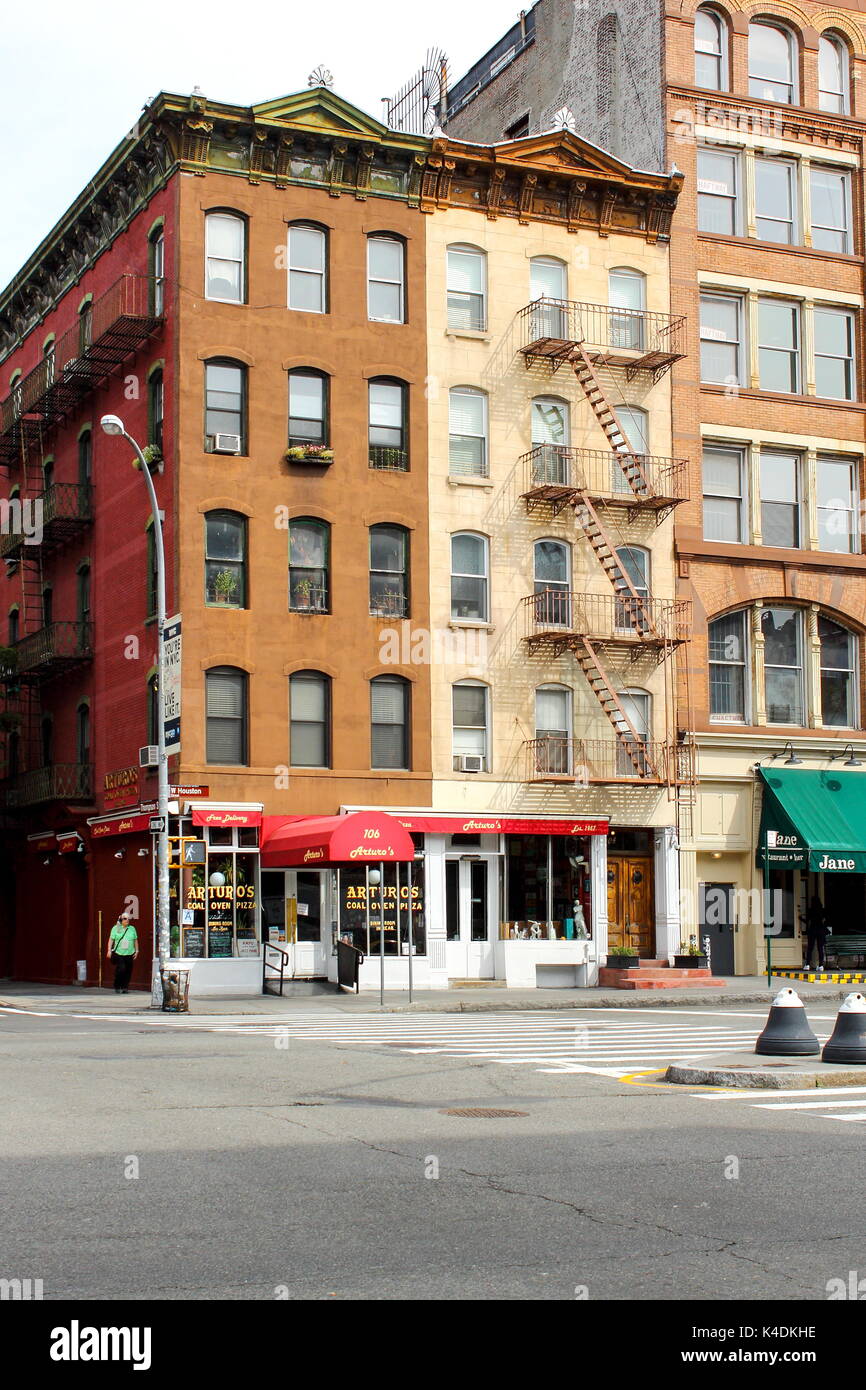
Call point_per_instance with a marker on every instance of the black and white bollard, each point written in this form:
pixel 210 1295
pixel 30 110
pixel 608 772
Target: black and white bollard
pixel 787 1032
pixel 848 1041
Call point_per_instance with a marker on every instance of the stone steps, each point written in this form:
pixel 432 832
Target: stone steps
pixel 656 975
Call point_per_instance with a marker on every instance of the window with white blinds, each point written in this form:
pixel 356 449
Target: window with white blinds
pixel 389 707
pixel 467 288
pixel 226 706
pixel 467 429
pixel 310 719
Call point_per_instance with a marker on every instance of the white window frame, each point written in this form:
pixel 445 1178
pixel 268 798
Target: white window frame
pixel 466 249
pixel 720 55
pixel 485 755
pixel 228 216
pixel 849 358
pixel 801 667
pixel 739 452
pixel 853 670
pixel 744 615
pixel 793 93
pixel 853 511
pixel 739 342
pixel 463 574
pixel 735 199
pixel 799 503
pixel 467 472
pixel 305 270
pixel 792 222
pixel 843 96
pixel 378 279
pixel 796 351
pixel 845 176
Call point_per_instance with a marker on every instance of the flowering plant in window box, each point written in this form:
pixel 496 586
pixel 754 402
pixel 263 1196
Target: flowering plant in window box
pixel 309 453
pixel 152 457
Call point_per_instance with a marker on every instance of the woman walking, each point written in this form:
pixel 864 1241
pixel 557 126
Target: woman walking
pixel 122 951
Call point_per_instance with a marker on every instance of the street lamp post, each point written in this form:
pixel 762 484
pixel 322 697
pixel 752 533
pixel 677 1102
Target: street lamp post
pixel 113 425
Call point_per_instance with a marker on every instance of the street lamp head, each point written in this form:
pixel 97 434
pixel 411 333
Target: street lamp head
pixel 112 424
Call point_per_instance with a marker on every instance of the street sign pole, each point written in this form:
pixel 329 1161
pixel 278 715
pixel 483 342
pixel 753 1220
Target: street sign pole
pixel 767 937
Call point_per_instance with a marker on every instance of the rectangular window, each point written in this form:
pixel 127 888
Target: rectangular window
pixel 308 408
pixel 783 664
pixel 718 192
pixel 837 506
pixel 721 339
pixel 727 662
pixel 837 675
pixel 467 433
pixel 225 237
pixel 831 209
pixel 780 498
pixel 385 279
pixel 779 345
pixel 387 425
pixel 467 290
pixel 775 200
pixel 224 404
pixel 389 572
pixel 310 718
pixel 157 271
pixel 724 494
pixel 307 252
pixel 834 354
pixel 389 707
pixel 469 725
pixel 226 717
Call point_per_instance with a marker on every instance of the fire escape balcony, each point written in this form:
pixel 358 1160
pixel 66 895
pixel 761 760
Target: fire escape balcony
pixel 61 512
pixel 115 326
pixel 634 339
pixel 590 762
pixel 553 476
pixel 59 782
pixel 53 650
pixel 557 620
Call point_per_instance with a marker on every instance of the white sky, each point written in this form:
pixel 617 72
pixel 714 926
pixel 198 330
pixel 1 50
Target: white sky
pixel 76 74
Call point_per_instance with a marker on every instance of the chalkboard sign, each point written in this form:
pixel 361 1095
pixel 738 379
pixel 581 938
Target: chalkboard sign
pixel 193 942
pixel 220 937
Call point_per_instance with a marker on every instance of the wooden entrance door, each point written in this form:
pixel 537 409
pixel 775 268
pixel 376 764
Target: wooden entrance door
pixel 630 906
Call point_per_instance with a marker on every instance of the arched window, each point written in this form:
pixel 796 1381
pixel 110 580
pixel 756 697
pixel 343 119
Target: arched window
pixel 157 270
pixel 389 722
pixel 308 407
pixel 833 66
pixel 309 565
pixel 772 67
pixel 389 571
pixel 153 710
pixel 47 606
pixel 310 719
pixel 470 702
pixel 155 408
pixel 226 715
pixel 225 564
pixel 14 626
pixel 388 424
pixel 838 681
pixel 550 422
pixel 710 51
pixel 225 257
pixel 548 291
pixel 637 707
pixel 385 278
pixel 84 613
pixel 554 723
pixel 85 457
pixel 82 733
pixel 467 288
pixel 467 432
pixel 48 359
pixel 469 578
pixel 225 407
pixel 627 298
pixel 46 740
pixel 308 268
pixel 551 571
pixel 630 616
pixel 47 474
pixel 85 326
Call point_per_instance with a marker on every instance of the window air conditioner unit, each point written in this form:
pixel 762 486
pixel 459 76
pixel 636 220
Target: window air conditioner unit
pixel 148 756
pixel 470 762
pixel 225 443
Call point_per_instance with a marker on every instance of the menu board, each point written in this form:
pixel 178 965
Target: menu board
pixel 220 938
pixel 193 942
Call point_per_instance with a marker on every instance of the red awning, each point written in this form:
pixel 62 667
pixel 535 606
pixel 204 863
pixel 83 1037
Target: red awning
pixel 202 815
pixel 481 824
pixel 120 825
pixel 364 837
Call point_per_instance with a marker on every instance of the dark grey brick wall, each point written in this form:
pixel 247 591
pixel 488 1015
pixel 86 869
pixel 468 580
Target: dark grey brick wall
pixel 600 58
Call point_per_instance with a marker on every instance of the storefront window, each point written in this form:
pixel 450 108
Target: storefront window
pixel 213 892
pixel 403 884
pixel 547 887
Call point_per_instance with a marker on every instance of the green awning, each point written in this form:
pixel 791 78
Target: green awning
pixel 813 820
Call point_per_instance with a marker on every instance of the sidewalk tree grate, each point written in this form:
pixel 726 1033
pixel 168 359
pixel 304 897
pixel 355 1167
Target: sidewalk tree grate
pixel 485 1114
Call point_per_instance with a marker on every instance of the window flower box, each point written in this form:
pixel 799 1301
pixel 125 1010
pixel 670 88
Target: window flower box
pixel 309 453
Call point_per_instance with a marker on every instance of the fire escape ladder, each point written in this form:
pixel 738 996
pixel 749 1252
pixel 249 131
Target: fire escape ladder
pixel 629 462
pixel 632 743
pixel 636 611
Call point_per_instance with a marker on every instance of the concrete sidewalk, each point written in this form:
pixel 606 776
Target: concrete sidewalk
pixel 743 989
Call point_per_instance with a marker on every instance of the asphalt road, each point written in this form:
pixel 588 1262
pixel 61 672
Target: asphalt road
pixel 180 1163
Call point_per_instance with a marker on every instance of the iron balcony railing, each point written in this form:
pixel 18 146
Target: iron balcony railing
pixel 601 473
pixel 552 326
pixel 54 648
pixel 388 459
pixel 106 333
pixel 60 782
pixel 557 758
pixel 606 617
pixel 61 511
pixel 310 600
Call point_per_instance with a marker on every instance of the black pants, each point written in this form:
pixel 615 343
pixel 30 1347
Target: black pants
pixel 815 938
pixel 122 970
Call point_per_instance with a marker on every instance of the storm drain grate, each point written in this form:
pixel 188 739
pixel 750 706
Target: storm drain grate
pixel 482 1114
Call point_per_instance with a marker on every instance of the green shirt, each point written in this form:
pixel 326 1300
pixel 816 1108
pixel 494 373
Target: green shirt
pixel 123 939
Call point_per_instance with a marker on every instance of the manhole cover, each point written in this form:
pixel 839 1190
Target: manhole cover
pixel 482 1114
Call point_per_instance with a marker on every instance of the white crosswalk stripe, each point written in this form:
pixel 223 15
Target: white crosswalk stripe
pixel 603 1045
pixel 822 1104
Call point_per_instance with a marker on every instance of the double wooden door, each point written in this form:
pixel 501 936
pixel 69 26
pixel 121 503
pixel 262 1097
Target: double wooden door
pixel 630 906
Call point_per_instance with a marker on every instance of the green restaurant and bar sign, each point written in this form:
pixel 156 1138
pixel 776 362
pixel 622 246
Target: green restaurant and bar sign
pixel 813 820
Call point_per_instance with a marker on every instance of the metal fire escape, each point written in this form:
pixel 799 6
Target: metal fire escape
pixel 598 484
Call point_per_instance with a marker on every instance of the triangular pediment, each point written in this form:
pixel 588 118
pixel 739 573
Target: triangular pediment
pixel 320 109
pixel 563 151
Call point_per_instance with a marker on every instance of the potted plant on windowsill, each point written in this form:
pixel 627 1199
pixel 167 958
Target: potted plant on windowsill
pixel 224 587
pixel 622 958
pixel 302 595
pixel 308 453
pixel 692 958
pixel 152 457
